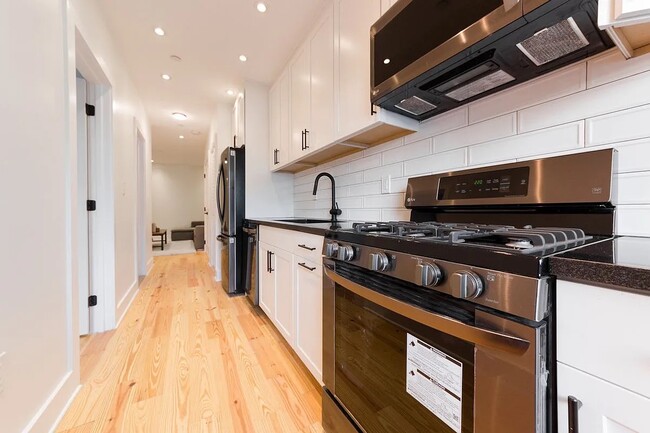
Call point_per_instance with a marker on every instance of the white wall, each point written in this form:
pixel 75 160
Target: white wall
pixel 177 195
pixel 36 283
pixel 38 286
pixel 599 103
pixel 127 105
pixel 267 194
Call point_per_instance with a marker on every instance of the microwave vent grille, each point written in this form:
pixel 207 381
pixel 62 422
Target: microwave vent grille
pixel 553 42
pixel 415 106
pixel 481 85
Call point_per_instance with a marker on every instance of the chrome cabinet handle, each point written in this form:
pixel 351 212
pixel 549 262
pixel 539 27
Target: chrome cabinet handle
pixel 472 334
pixel 306 134
pixel 306 247
pixel 306 267
pixel 574 407
pixel 271 254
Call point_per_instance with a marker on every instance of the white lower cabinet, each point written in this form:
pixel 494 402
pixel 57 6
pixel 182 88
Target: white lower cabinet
pixel 284 298
pixel 291 290
pixel 603 359
pixel 603 407
pixel 309 314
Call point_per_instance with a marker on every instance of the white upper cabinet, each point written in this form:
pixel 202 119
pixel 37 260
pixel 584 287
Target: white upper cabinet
pixel 322 85
pixel 300 101
pixel 355 18
pixel 279 122
pixel 386 4
pixel 238 123
pixel 628 24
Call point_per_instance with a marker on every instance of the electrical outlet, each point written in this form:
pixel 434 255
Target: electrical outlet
pixel 385 184
pixel 2 372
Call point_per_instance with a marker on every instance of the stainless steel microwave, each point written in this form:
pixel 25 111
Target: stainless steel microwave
pixel 429 56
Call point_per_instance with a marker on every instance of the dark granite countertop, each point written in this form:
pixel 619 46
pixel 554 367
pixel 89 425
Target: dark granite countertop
pixel 621 263
pixel 314 228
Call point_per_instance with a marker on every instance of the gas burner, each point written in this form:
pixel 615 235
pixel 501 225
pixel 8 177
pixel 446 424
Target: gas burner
pixel 497 237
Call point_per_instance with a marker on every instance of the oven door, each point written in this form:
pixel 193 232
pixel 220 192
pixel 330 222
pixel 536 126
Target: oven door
pixel 399 358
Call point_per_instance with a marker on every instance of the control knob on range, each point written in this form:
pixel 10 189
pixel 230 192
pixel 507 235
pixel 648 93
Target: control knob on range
pixel 346 253
pixel 379 261
pixel 428 274
pixel 465 285
pixel 331 249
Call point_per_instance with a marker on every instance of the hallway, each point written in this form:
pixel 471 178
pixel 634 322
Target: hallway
pixel 187 358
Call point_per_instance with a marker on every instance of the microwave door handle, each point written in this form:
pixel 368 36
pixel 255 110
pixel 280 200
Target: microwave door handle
pixel 509 4
pixel 473 334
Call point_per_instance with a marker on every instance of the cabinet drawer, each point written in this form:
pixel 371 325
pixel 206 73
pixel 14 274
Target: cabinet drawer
pixel 279 238
pixel 308 246
pixel 604 333
pixel 606 408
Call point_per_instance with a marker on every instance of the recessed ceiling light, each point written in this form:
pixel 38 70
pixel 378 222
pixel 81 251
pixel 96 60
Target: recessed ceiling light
pixel 175 58
pixel 166 77
pixel 152 160
pixel 386 61
pixel 243 58
pixel 179 116
pixel 261 7
pixel 181 137
pixel 159 31
pixel 230 92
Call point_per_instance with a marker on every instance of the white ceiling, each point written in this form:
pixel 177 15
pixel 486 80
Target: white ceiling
pixel 209 36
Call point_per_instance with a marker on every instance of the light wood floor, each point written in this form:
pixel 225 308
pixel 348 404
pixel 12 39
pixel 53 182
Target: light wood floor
pixel 187 358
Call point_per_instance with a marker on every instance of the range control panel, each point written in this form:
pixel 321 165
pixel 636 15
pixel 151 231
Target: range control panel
pixel 489 184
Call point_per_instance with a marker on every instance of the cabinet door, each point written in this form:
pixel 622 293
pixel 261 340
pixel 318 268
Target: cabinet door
pixel 266 280
pixel 275 113
pixel 285 128
pixel 322 84
pixel 606 408
pixel 300 102
pixel 309 315
pixel 284 297
pixel 355 19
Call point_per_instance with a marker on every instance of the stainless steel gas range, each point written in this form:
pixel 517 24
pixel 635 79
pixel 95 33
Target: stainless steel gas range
pixel 445 323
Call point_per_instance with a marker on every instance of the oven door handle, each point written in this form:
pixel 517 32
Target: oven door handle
pixel 472 334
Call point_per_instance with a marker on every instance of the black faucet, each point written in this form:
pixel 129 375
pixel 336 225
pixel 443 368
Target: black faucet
pixel 334 211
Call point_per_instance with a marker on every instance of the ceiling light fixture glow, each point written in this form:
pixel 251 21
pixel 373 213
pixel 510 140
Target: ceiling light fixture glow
pixel 243 58
pixel 181 137
pixel 166 77
pixel 230 92
pixel 179 116
pixel 261 7
pixel 159 31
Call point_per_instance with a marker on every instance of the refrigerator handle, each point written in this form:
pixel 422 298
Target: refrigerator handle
pixel 220 208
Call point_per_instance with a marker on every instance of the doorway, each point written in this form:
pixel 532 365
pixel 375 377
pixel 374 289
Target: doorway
pixel 142 232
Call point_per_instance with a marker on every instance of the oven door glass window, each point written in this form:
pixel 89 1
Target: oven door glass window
pixel 388 387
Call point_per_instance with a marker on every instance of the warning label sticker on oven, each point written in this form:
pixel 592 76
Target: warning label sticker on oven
pixel 435 379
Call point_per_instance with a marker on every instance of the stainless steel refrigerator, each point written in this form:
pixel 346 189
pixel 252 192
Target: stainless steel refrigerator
pixel 231 188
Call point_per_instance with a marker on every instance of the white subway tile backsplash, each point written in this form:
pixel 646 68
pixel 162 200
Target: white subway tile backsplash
pixel 550 140
pixel 440 124
pixel 365 214
pixel 549 116
pixel 499 127
pixel 365 163
pixel 436 163
pixel 408 151
pixel 619 95
pixel 365 189
pixel 619 126
pixel 545 88
pixel 633 220
pixel 393 170
pixel 612 66
pixel 633 188
pixel 395 214
pixel 385 201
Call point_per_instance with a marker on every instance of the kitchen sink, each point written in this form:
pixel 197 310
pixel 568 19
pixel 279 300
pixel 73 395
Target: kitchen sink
pixel 304 221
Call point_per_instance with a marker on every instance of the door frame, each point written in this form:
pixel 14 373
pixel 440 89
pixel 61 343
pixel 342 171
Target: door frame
pixel 102 234
pixel 142 234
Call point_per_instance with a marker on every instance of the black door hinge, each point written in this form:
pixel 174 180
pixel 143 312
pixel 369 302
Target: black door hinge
pixel 92 300
pixel 91 205
pixel 90 110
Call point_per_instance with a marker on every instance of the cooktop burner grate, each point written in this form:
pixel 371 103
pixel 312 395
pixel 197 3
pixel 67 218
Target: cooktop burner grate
pixel 497 237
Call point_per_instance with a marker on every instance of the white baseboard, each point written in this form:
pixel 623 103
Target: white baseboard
pixel 149 265
pixel 51 412
pixel 125 302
